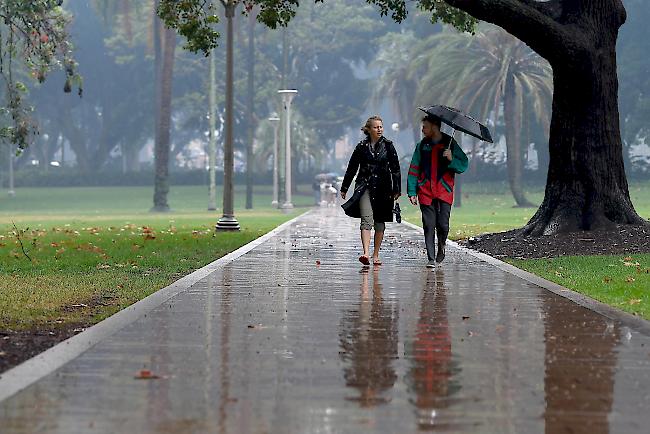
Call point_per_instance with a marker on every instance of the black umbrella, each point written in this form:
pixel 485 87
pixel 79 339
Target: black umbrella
pixel 459 121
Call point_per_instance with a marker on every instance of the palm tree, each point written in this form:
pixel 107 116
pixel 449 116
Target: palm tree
pixel 164 46
pixel 487 74
pixel 395 82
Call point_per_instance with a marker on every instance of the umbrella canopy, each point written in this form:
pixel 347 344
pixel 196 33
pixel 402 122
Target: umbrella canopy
pixel 327 176
pixel 459 121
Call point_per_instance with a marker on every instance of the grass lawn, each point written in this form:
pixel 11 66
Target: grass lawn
pixel 610 279
pixel 95 251
pixel 620 281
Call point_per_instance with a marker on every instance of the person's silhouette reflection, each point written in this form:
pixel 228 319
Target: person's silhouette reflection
pixel 430 376
pixel 580 361
pixel 368 341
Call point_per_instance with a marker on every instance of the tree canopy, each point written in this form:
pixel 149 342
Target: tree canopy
pixel 195 19
pixel 33 41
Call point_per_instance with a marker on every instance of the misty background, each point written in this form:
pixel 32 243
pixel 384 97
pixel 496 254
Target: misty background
pixel 345 61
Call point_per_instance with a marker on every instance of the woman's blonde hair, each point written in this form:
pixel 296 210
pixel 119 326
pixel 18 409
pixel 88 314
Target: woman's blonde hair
pixel 366 128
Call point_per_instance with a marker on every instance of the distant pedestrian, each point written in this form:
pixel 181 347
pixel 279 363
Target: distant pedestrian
pixel 436 161
pixel 377 185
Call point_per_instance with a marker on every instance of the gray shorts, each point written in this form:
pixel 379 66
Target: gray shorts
pixel 367 220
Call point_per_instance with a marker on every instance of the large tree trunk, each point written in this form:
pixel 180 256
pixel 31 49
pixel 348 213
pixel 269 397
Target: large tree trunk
pixel 512 108
pixel 586 186
pixel 163 125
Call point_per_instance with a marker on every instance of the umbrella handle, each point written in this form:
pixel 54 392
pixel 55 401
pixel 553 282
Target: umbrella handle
pixel 451 138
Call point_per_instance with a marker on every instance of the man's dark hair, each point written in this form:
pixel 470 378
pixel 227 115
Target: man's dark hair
pixel 435 120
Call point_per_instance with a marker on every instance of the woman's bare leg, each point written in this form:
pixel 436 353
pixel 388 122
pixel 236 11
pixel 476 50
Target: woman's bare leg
pixel 365 241
pixel 379 236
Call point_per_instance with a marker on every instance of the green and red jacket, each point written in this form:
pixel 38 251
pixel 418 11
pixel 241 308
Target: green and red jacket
pixel 431 176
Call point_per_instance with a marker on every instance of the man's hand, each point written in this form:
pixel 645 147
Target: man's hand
pixel 413 199
pixel 447 154
pixel 343 194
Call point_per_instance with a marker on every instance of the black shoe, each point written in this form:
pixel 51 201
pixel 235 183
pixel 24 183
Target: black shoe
pixel 441 253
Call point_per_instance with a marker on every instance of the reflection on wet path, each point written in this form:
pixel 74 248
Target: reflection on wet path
pixel 430 352
pixel 580 366
pixel 369 344
pixel 275 342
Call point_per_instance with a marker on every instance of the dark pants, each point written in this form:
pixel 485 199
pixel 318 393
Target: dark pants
pixel 435 219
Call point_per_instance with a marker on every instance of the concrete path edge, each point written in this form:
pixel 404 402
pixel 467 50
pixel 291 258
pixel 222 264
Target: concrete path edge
pixel 633 322
pixel 19 377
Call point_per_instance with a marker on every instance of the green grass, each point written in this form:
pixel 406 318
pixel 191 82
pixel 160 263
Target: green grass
pixel 480 213
pixel 66 205
pixel 95 251
pixel 619 281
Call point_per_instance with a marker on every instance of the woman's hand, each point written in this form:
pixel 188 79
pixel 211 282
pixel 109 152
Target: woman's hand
pixel 343 194
pixel 447 154
pixel 414 200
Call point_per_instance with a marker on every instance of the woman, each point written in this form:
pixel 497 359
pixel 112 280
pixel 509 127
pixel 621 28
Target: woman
pixel 377 186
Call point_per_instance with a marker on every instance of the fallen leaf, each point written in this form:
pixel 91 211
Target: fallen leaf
pixel 630 279
pixel 146 374
pixel 465 317
pixel 607 279
pixel 634 301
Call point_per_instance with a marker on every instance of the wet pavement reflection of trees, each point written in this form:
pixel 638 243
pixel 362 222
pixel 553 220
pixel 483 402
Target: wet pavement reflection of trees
pixel 368 344
pixel 580 362
pixel 430 377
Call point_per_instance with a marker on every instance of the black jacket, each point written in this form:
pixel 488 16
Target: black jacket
pixel 379 172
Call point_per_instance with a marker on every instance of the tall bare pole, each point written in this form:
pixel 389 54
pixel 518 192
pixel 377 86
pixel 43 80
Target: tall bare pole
pixel 212 145
pixel 275 121
pixel 287 97
pixel 251 110
pixel 228 222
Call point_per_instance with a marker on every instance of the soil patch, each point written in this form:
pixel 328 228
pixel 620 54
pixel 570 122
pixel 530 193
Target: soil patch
pixel 20 344
pixel 625 240
pixel 17 346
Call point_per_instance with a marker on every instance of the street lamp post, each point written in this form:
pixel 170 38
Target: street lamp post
pixel 275 121
pixel 287 97
pixel 228 222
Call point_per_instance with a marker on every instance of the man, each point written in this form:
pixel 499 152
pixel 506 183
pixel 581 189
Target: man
pixel 436 160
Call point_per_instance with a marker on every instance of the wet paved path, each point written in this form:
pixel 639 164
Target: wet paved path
pixel 274 343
